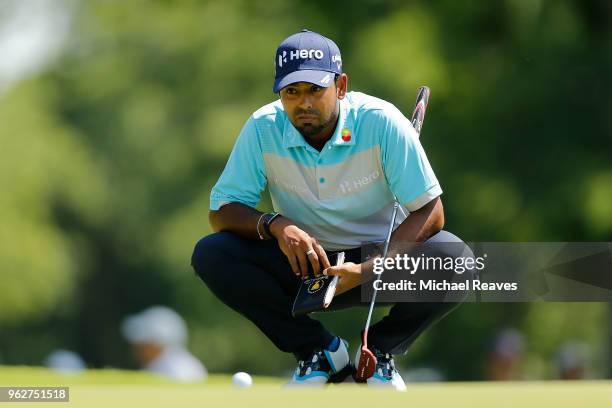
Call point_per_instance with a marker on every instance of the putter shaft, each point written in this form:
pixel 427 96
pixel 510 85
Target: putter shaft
pixel 386 249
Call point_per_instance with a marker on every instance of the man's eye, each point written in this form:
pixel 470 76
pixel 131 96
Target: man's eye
pixel 291 91
pixel 316 88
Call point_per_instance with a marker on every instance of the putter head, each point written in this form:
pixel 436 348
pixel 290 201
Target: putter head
pixel 367 360
pixel 366 366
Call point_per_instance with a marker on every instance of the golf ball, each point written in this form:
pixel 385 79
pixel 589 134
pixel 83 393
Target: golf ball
pixel 242 380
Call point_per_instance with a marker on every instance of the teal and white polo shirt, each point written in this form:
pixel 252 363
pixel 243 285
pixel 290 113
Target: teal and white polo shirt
pixel 343 195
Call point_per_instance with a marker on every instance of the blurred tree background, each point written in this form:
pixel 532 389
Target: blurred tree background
pixel 109 151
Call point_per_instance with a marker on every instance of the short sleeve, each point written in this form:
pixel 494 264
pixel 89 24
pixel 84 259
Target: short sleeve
pixel 406 167
pixel 244 176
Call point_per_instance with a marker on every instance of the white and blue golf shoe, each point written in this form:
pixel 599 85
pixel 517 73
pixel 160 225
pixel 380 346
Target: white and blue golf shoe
pixel 322 367
pixel 385 374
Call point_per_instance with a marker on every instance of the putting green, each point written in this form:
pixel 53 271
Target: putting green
pixel 114 388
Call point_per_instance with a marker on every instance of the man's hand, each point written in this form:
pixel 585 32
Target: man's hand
pixel 349 274
pixel 299 247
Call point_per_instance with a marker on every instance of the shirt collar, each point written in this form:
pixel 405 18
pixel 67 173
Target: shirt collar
pixel 293 138
pixel 344 124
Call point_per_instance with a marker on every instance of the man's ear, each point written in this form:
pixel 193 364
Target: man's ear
pixel 342 86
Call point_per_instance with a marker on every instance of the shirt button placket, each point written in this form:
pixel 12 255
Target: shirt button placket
pixel 319 177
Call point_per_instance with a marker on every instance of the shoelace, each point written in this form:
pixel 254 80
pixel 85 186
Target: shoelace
pixel 385 365
pixel 316 363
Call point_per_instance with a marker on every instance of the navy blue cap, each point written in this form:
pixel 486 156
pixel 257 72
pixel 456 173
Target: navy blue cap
pixel 306 57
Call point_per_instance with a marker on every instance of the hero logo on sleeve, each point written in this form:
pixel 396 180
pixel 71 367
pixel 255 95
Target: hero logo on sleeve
pixel 285 56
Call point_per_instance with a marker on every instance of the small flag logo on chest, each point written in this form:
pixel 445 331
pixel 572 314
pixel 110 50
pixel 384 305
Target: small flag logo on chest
pixel 346 135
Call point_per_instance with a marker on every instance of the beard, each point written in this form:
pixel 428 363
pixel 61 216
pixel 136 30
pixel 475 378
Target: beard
pixel 308 130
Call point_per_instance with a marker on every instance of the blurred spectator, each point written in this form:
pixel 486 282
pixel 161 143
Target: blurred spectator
pixel 65 362
pixel 159 336
pixel 571 361
pixel 506 357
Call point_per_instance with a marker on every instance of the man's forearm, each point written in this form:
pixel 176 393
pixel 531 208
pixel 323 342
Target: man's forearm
pixel 237 218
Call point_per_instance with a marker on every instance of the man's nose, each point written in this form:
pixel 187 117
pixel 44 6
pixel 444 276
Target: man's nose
pixel 306 102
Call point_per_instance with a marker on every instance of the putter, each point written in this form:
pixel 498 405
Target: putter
pixel 367 360
pixel 418 115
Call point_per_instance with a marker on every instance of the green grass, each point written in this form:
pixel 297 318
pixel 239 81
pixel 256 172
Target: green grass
pixel 116 388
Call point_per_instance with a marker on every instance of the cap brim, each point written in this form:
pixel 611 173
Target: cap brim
pixel 320 78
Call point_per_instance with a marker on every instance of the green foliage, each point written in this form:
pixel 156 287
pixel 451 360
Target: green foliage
pixel 43 164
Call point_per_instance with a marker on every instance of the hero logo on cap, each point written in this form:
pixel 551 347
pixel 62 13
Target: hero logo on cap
pixel 306 57
pixel 299 54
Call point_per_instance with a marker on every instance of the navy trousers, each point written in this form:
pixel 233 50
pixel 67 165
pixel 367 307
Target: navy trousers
pixel 255 279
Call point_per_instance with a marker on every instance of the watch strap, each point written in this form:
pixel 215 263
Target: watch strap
pixel 268 221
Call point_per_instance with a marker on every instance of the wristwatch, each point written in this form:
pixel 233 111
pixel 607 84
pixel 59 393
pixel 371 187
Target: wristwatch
pixel 268 221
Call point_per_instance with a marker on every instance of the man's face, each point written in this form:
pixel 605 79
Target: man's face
pixel 310 108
